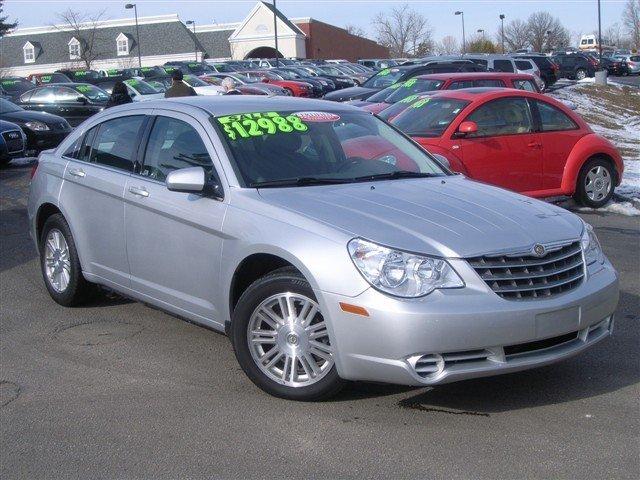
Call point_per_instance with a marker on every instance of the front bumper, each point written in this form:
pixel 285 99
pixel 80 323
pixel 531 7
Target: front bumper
pixel 464 333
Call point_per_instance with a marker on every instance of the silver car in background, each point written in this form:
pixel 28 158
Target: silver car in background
pixel 325 243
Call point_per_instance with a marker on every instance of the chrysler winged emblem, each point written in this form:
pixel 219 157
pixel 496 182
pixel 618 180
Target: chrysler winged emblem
pixel 539 250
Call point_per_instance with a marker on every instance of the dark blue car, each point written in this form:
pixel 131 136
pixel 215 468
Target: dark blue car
pixel 12 141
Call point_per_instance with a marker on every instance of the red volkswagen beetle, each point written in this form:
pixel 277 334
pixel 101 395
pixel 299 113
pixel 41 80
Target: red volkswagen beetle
pixel 523 141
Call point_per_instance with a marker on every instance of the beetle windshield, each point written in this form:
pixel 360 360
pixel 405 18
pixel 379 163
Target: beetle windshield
pixel 305 148
pixel 429 117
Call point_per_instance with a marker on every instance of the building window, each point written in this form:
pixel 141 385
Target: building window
pixel 122 44
pixel 74 49
pixel 29 52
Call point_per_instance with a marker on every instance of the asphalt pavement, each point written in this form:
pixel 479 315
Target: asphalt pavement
pixel 117 389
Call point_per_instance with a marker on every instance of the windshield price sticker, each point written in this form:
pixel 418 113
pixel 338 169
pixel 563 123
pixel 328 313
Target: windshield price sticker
pixel 410 82
pixel 384 72
pixel 395 86
pixel 409 99
pixel 45 78
pixel 83 88
pixel 248 125
pixel 420 103
pixel 9 82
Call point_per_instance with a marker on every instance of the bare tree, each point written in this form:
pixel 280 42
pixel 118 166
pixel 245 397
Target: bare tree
pixel 631 21
pixel 86 29
pixel 516 35
pixel 546 31
pixel 448 46
pixel 355 30
pixel 4 26
pixel 404 31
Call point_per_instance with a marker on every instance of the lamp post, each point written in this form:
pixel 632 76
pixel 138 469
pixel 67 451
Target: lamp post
pixel 464 42
pixel 129 6
pixel 480 30
pixel 599 36
pixel 195 40
pixel 275 30
pixel 548 40
pixel 502 17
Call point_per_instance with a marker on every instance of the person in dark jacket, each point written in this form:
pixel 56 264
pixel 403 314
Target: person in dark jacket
pixel 119 95
pixel 178 88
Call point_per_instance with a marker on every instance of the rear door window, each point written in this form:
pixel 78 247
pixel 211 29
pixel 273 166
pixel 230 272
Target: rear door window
pixel 503 66
pixel 43 95
pixel 505 116
pixel 116 142
pixel 488 83
pixel 173 144
pixel 552 119
pixel 461 84
pixel 522 65
pixel 524 85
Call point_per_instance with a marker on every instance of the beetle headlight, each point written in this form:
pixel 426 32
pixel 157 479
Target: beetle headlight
pixel 591 245
pixel 400 273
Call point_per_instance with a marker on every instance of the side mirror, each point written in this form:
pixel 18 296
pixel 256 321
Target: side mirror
pixel 467 128
pixel 189 180
pixel 81 100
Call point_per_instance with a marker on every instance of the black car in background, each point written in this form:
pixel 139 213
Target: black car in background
pixel 12 87
pixel 388 76
pixel 549 71
pixel 301 74
pixel 74 102
pixel 45 78
pixel 11 141
pixel 43 130
pixel 340 81
pixel 195 68
pixel 576 65
pixel 81 75
pixel 148 72
pixel 320 87
pixel 615 66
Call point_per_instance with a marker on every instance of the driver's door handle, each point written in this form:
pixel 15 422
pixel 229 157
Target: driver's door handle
pixel 140 192
pixel 77 172
pixel 534 145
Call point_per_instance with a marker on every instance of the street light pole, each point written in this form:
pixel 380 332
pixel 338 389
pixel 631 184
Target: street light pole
pixel 464 42
pixel 502 30
pixel 135 12
pixel 599 36
pixel 275 30
pixel 195 40
pixel 480 30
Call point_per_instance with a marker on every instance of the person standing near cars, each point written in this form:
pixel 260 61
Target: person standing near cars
pixel 230 87
pixel 119 95
pixel 178 88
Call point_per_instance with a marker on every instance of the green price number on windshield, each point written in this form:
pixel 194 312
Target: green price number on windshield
pixel 384 72
pixel 395 86
pixel 420 103
pixel 258 124
pixel 83 88
pixel 45 78
pixel 410 83
pixel 408 99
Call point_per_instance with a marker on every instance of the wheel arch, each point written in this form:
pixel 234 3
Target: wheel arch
pixel 589 147
pixel 45 211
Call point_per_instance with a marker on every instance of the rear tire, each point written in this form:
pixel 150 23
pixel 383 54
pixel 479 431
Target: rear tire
pixel 60 264
pixel 596 182
pixel 581 74
pixel 288 353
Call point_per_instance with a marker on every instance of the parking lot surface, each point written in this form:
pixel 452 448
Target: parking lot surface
pixel 116 389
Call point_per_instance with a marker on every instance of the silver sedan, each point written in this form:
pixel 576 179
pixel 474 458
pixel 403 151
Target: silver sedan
pixel 325 243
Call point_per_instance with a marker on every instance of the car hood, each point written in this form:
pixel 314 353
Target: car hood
pixel 22 116
pixel 351 93
pixel 445 216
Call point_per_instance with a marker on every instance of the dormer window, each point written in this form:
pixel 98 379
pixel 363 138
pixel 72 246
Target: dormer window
pixel 74 49
pixel 29 52
pixel 122 43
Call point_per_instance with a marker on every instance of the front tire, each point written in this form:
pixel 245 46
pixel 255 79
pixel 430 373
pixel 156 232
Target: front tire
pixel 281 340
pixel 60 263
pixel 595 183
pixel 581 74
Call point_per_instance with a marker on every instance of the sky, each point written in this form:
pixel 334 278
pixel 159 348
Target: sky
pixel 579 16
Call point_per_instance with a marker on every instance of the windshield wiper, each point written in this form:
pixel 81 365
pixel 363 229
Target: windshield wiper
pixel 395 175
pixel 299 182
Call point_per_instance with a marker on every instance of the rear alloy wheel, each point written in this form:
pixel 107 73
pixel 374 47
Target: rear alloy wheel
pixel 595 183
pixel 281 339
pixel 581 74
pixel 60 264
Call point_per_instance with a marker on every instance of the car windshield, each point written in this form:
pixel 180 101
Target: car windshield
pixel 411 87
pixel 194 81
pixel 142 87
pixel 429 117
pixel 290 148
pixel 159 85
pixel 83 75
pixel 287 75
pixel 331 71
pixel 16 85
pixel 384 78
pixel 94 94
pixel 7 107
pixel 398 107
pixel 199 68
pixel 152 71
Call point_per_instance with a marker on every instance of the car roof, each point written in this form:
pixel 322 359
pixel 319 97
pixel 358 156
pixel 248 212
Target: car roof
pixel 476 75
pixel 228 105
pixel 483 93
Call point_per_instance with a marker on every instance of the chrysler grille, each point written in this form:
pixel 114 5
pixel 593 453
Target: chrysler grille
pixel 521 277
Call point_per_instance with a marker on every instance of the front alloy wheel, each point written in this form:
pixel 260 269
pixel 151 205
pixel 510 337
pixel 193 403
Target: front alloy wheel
pixel 595 183
pixel 581 74
pixel 281 340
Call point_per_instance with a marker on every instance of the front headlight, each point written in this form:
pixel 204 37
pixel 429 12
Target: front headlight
pixel 591 246
pixel 36 126
pixel 400 273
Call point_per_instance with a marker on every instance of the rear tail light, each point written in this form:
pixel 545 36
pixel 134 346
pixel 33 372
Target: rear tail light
pixel 34 169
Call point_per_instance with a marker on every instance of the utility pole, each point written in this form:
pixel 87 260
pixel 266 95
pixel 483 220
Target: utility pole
pixel 275 29
pixel 464 42
pixel 195 40
pixel 502 31
pixel 599 36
